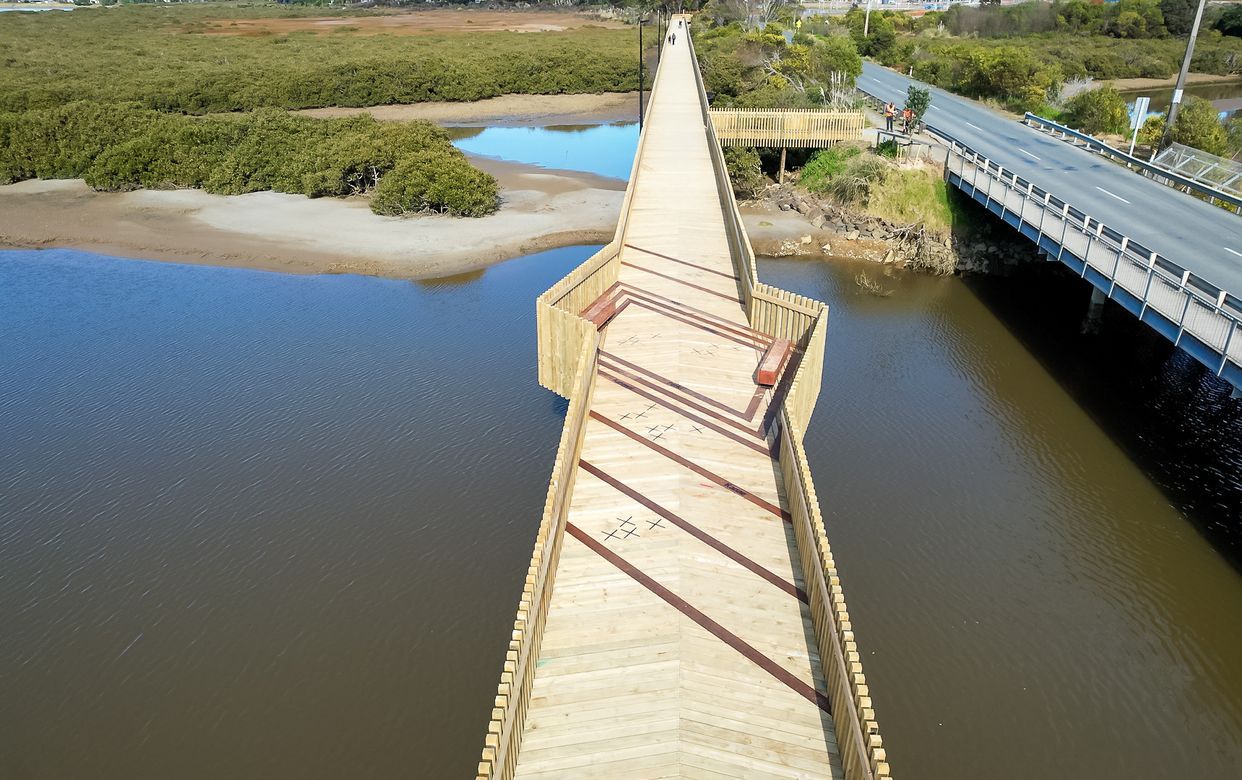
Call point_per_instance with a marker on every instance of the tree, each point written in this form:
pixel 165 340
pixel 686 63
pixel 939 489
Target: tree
pixel 918 100
pixel 1179 15
pixel 1233 129
pixel 1100 110
pixel 755 14
pixel 1230 22
pixel 1130 25
pixel 1198 125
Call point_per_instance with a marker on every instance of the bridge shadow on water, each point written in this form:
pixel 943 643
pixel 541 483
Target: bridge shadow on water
pixel 1164 409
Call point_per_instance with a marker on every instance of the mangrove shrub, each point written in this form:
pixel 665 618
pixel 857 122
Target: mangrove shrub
pixel 125 147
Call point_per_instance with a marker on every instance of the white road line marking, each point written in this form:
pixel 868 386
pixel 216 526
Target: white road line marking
pixel 1111 195
pixel 935 108
pixel 1028 154
pixel 977 127
pixel 1230 251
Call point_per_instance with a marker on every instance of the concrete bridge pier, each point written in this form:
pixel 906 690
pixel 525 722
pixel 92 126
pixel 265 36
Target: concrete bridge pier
pixel 1095 311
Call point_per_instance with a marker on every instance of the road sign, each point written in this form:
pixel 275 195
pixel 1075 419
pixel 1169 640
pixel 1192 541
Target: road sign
pixel 1140 111
pixel 1136 121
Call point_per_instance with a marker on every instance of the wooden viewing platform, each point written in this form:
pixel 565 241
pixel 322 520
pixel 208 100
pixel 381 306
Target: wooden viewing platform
pixel 681 616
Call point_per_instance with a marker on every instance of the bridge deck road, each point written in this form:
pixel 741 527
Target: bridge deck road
pixel 1202 238
pixel 677 642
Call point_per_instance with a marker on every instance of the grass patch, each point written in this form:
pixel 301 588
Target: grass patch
pixel 824 166
pixel 916 194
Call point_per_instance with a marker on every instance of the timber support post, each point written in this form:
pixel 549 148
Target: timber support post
pixel 780 177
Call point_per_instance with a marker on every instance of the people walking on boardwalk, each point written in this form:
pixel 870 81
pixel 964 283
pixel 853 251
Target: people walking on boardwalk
pixel 672 39
pixel 890 113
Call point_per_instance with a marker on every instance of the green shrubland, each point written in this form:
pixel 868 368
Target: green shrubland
pixel 155 96
pixel 169 59
pixel 826 165
pixel 758 68
pixel 117 147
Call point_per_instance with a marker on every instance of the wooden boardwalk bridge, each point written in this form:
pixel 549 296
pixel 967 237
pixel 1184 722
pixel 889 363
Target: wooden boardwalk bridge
pixel 681 615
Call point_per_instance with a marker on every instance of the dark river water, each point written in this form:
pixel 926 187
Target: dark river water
pixel 265 526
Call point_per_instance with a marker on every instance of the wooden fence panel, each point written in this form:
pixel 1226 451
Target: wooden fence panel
pixel 792 128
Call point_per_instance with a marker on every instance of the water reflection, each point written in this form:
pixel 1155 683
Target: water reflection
pixel 453 280
pixel 606 150
pixel 1226 96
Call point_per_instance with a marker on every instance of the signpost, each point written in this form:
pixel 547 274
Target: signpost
pixel 1136 121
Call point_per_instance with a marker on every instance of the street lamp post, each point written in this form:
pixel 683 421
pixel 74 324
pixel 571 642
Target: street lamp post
pixel 659 33
pixel 1176 102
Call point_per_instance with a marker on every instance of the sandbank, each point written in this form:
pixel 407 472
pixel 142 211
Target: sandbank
pixel 505 110
pixel 540 209
pixel 1127 85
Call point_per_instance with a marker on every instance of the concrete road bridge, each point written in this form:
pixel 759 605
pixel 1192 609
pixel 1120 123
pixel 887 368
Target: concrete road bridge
pixel 682 614
pixel 1171 259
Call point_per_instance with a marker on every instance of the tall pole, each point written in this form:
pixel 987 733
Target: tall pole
pixel 640 74
pixel 1176 103
pixel 867 19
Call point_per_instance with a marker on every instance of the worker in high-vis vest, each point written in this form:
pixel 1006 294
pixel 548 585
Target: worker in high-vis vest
pixel 890 113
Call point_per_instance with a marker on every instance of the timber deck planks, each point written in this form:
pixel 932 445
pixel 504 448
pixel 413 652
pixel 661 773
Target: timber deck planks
pixel 678 642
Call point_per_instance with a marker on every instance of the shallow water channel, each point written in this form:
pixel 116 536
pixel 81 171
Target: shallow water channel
pixel 1226 96
pixel 605 150
pixel 259 525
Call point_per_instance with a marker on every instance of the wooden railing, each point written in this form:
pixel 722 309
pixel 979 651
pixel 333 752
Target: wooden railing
pixel 804 321
pixel 568 352
pixel 739 244
pixel 795 128
pixel 562 334
pixel 504 731
pixel 858 735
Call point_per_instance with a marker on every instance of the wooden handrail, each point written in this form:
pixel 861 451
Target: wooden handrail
pixel 568 351
pixel 504 731
pixel 784 314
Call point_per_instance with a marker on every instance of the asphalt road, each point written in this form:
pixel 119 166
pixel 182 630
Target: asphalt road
pixel 1204 239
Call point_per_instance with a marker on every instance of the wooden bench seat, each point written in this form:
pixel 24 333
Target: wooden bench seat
pixel 773 362
pixel 604 309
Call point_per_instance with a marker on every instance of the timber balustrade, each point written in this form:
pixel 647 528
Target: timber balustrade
pixel 568 354
pixel 804 321
pixel 793 128
pixel 563 334
pixel 504 731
